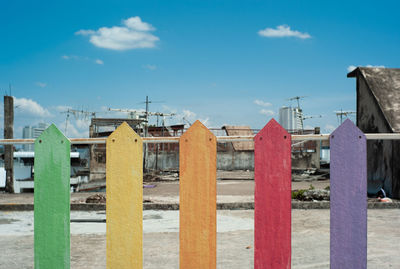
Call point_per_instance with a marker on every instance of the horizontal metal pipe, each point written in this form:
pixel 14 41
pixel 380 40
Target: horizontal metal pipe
pixel 175 139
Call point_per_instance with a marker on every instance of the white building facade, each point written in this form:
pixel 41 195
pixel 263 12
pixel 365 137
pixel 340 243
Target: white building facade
pixel 291 118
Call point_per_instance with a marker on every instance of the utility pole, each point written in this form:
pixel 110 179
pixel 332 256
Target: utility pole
pixel 9 149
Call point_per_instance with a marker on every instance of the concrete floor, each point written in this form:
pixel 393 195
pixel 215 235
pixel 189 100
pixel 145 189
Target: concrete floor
pixel 310 239
pixel 228 191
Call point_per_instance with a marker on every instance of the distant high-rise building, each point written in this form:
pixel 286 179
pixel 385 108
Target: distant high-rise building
pixel 34 132
pixel 291 118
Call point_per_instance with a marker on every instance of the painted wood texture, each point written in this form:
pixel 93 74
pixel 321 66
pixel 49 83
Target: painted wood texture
pixel 124 188
pixel 348 186
pixel 197 198
pixel 52 200
pixel 272 197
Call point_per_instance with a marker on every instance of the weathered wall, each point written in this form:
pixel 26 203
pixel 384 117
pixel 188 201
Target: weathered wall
pixel 370 119
pixel 305 160
pixel 228 160
pixel 243 160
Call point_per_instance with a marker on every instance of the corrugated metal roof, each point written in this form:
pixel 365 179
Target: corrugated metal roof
pixel 384 83
pixel 240 131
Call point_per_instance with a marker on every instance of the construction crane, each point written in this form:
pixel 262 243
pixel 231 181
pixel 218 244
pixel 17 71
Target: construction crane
pixel 300 111
pixel 140 113
pixel 77 113
pixel 297 98
pixel 342 113
pixel 133 114
pixel 312 117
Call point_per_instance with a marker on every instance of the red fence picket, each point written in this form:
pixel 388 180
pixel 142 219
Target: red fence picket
pixel 272 198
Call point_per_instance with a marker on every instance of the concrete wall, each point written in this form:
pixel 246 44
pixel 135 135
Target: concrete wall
pixel 370 119
pixel 229 160
pixel 243 160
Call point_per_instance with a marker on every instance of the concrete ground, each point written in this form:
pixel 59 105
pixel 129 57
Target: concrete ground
pixel 310 239
pixel 228 191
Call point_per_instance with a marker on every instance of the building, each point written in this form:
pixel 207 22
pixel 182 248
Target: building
pixel 291 118
pixel 378 111
pixel 103 127
pixel 29 132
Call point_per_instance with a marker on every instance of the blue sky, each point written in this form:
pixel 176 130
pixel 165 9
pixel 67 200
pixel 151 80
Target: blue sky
pixel 208 60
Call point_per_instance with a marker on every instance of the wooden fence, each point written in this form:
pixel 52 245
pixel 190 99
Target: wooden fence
pixel 272 214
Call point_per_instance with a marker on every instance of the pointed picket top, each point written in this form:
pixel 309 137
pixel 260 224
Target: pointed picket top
pixel 272 197
pixel 271 126
pixel 126 130
pixel 349 130
pixel 51 133
pixel 52 199
pixel 197 198
pixel 124 190
pixel 348 197
pixel 198 129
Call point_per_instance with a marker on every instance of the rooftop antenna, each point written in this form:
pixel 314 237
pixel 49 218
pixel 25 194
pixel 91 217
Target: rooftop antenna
pixel 342 113
pixel 86 115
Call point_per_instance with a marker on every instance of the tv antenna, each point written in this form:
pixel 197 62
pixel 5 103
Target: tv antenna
pixel 77 114
pixel 342 113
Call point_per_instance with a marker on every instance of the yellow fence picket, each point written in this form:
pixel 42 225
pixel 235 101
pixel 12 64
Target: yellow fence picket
pixel 124 208
pixel 197 198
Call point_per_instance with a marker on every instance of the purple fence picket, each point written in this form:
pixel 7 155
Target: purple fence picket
pixel 348 185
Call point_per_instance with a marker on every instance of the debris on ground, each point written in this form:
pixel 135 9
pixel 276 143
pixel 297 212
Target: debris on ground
pixel 96 199
pixel 161 176
pixel 311 174
pixel 385 200
pixel 311 194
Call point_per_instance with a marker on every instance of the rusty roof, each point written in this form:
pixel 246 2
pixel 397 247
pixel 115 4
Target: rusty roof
pixel 384 84
pixel 240 131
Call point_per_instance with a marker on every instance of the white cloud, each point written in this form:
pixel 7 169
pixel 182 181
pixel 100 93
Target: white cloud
pixel 352 67
pixel 62 108
pixel 151 67
pixel 262 103
pixel 74 131
pixel 266 112
pixel 30 107
pixel 98 61
pixel 283 31
pixel 136 23
pixel 168 109
pixel 329 128
pixel 134 34
pixel 189 115
pixel 41 84
pixel 70 57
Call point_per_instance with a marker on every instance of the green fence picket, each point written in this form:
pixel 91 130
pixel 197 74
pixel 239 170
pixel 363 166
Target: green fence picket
pixel 52 200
